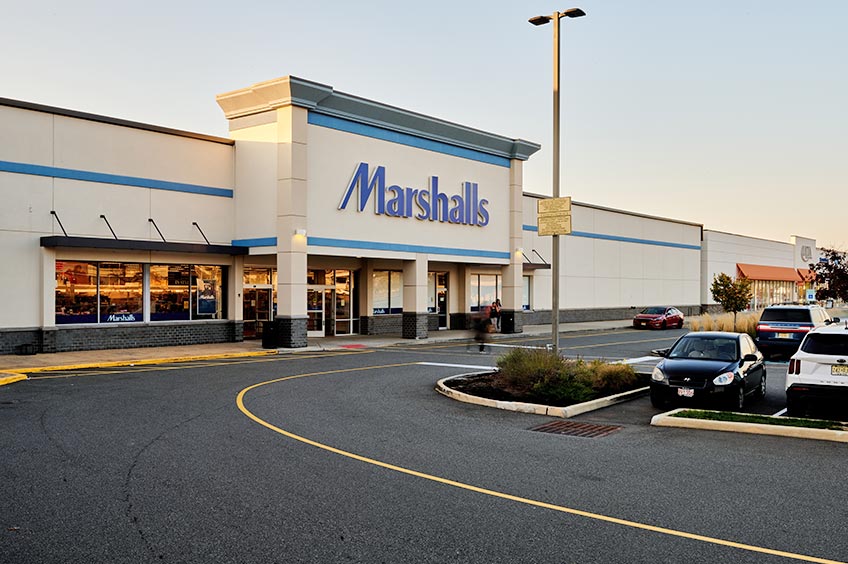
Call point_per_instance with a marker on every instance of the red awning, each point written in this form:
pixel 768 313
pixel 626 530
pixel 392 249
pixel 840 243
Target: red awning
pixel 807 275
pixel 761 272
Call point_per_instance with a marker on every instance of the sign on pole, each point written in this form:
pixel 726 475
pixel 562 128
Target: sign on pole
pixel 554 216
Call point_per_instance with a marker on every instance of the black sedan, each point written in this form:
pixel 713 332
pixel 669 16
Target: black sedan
pixel 713 366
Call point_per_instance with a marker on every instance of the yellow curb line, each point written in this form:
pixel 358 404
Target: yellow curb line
pixel 11 378
pixel 142 362
pixel 666 420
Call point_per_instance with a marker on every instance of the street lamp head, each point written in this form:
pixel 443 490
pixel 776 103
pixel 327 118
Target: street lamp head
pixel 540 20
pixel 569 13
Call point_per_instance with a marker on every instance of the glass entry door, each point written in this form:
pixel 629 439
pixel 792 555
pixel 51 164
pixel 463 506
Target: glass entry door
pixel 315 317
pixel 442 299
pixel 256 308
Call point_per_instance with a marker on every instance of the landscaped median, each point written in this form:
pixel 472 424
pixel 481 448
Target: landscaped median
pixel 538 409
pixel 757 424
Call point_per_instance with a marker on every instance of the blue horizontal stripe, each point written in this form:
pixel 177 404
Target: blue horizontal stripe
pixel 103 178
pixel 256 242
pixel 622 239
pixel 374 246
pixel 375 132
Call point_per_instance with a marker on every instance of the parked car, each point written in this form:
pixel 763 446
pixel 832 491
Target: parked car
pixel 659 318
pixel 715 366
pixel 818 371
pixel 782 327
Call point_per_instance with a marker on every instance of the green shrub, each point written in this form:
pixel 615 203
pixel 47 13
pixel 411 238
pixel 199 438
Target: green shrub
pixel 545 377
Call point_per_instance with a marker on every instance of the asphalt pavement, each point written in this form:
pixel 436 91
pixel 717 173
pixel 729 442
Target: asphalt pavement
pixel 348 455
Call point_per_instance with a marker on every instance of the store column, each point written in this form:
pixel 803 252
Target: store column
pixel 415 316
pixel 512 287
pixel 291 319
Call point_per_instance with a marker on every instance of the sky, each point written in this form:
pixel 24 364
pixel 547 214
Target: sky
pixel 728 113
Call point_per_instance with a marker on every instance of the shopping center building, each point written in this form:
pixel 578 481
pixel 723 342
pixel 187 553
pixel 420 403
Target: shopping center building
pixel 322 214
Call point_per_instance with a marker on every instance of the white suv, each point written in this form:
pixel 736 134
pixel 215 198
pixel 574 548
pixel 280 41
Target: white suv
pixel 818 372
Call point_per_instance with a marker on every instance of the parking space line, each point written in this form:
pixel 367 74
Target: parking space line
pixel 493 493
pixel 473 367
pixel 780 413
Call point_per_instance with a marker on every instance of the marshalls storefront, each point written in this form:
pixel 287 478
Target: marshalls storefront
pixel 324 214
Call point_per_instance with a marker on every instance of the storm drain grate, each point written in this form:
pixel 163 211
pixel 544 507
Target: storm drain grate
pixel 576 429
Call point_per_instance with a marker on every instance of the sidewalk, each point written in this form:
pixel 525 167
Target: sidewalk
pixel 14 364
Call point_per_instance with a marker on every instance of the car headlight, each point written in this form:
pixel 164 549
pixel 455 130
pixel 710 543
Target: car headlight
pixel 657 375
pixel 724 379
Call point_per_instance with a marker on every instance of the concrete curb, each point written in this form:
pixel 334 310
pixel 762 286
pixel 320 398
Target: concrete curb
pixel 538 409
pixel 666 420
pixel 10 378
pixel 140 362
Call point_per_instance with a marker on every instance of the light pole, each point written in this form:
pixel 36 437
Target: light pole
pixel 542 20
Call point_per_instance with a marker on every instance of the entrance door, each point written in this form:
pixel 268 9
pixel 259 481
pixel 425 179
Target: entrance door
pixel 256 308
pixel 315 320
pixel 442 299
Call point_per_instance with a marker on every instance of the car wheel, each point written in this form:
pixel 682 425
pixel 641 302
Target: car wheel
pixel 680 325
pixel 657 399
pixel 663 326
pixel 737 402
pixel 761 390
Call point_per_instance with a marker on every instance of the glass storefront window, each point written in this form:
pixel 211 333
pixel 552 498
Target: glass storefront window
pixel 525 293
pixel 485 289
pixel 388 291
pixel 121 286
pixel 208 286
pixel 257 276
pixel 114 292
pixel 169 292
pixel 76 292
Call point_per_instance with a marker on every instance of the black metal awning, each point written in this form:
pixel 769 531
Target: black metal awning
pixel 59 241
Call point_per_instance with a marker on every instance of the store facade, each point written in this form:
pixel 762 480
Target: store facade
pixel 778 271
pixel 324 214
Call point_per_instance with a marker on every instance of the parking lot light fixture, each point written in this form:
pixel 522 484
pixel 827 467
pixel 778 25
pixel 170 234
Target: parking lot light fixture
pixel 541 20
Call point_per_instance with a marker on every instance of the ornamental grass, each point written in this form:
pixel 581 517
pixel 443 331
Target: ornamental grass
pixel 746 322
pixel 542 376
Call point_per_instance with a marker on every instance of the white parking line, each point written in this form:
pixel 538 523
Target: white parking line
pixel 638 360
pixel 779 413
pixel 473 366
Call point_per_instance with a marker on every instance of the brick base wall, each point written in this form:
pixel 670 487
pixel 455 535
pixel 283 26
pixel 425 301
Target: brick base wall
pixel 98 337
pixel 415 325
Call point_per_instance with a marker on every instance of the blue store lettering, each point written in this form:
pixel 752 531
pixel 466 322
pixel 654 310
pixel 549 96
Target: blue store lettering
pixel 466 208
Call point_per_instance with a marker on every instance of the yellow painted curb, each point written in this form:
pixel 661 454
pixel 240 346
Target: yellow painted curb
pixel 11 378
pixel 141 362
pixel 666 420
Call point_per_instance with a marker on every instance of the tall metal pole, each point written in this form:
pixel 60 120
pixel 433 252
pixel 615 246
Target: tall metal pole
pixel 555 251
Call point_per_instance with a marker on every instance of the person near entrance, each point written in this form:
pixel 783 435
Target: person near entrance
pixel 495 314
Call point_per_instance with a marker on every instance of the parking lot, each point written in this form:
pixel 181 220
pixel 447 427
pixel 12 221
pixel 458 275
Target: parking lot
pixel 350 456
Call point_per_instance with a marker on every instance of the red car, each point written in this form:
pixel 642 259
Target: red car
pixel 659 318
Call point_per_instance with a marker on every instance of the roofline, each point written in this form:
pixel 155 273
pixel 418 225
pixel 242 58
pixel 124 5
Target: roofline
pixel 287 91
pixel 752 237
pixel 112 121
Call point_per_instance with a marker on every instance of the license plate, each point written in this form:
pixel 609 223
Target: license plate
pixel 839 370
pixel 784 335
pixel 686 392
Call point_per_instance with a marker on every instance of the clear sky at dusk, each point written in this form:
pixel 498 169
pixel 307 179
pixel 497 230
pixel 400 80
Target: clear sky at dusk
pixel 727 113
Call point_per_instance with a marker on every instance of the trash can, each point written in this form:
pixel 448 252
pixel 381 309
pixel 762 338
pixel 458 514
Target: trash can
pixel 271 334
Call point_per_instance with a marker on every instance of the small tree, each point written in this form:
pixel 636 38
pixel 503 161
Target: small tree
pixel 831 275
pixel 733 295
